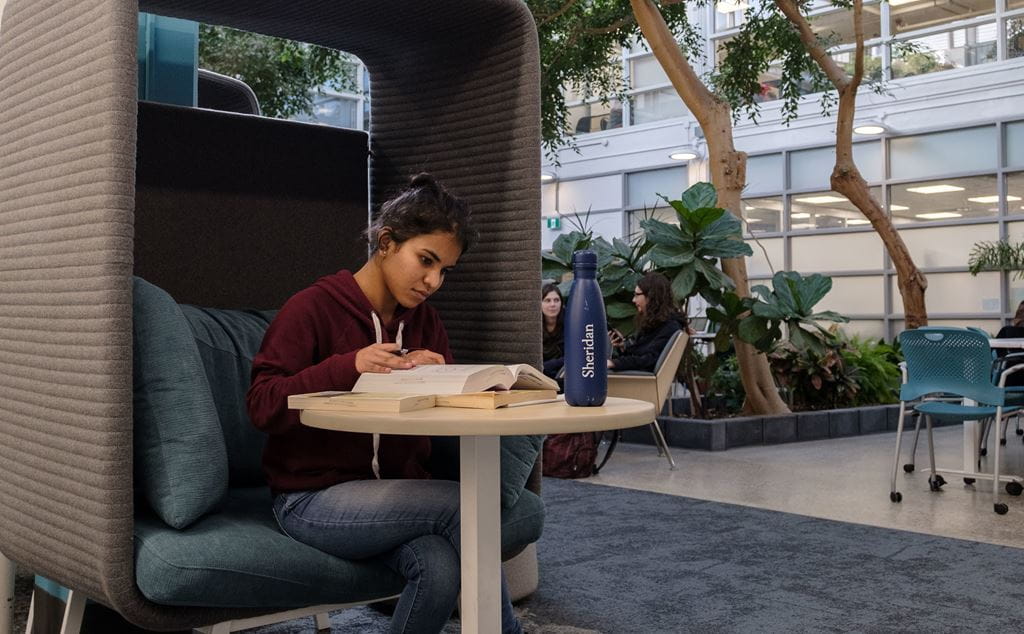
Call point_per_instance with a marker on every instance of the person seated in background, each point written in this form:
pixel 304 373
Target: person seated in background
pixel 1013 331
pixel 656 321
pixel 552 311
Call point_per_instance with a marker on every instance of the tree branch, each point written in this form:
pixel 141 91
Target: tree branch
pixel 614 26
pixel 557 14
pixel 832 70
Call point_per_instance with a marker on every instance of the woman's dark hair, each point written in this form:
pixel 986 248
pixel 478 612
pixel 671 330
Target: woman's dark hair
pixel 547 288
pixel 423 207
pixel 660 306
pixel 1018 318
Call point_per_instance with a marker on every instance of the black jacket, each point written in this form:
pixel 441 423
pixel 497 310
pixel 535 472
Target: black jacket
pixel 642 352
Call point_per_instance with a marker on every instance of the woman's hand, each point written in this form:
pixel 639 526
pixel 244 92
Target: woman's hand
pixel 381 357
pixel 424 357
pixel 616 339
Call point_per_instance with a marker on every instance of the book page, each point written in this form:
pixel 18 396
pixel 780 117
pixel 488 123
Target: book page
pixel 528 377
pixel 435 379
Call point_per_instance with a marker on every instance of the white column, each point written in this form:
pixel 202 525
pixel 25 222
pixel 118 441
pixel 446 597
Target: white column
pixel 480 473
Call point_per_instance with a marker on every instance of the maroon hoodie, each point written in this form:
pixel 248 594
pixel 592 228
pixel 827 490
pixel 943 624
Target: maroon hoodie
pixel 310 347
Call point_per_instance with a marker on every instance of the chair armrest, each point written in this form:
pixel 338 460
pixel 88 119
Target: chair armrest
pixel 629 373
pixel 1008 372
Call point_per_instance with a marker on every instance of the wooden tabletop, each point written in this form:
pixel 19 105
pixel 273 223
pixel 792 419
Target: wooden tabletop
pixel 544 418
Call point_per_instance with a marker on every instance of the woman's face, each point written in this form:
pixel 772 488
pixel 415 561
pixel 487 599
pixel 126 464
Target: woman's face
pixel 551 304
pixel 415 269
pixel 639 300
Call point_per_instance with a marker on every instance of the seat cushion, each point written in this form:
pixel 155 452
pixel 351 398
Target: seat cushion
pixel 518 455
pixel 180 459
pixel 239 558
pixel 227 341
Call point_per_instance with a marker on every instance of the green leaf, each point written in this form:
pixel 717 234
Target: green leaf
pixel 723 248
pixel 620 310
pixel 553 271
pixel 770 310
pixel 667 257
pixel 726 226
pixel 715 277
pixel 699 196
pixel 565 245
pixel 683 282
pixel 803 340
pixel 664 234
pixel 782 291
pixel 752 329
pixel 704 217
pixel 829 315
pixel 811 290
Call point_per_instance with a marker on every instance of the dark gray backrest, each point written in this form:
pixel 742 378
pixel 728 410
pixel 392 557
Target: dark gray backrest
pixel 455 88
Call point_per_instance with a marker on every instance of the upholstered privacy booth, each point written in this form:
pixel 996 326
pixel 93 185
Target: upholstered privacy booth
pixel 454 92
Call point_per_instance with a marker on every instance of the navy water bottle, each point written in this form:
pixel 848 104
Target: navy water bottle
pixel 586 336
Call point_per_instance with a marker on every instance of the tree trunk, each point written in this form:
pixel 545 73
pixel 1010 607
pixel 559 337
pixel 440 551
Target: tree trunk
pixel 728 173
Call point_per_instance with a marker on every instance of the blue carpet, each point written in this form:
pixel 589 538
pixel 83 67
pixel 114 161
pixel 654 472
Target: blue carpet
pixel 621 561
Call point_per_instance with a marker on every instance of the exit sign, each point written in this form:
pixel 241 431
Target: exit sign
pixel 554 222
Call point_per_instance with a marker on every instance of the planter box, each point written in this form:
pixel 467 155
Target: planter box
pixel 725 433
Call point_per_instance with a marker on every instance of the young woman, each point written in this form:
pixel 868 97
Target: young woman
pixel 656 321
pixel 360 496
pixel 552 313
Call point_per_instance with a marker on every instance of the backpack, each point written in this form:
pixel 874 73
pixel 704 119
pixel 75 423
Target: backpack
pixel 571 455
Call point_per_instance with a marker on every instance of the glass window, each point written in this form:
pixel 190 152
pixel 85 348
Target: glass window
pixel 865 328
pixel 595 117
pixel 758 264
pixel 956 293
pixel 813 168
pixel 764 173
pixel 945 199
pixel 836 252
pixel 1015 36
pixel 643 187
pixel 580 196
pixel 334 111
pixel 645 72
pixel 836 27
pixel 827 209
pixel 924 155
pixel 855 296
pixel 763 214
pixel 656 105
pixel 958 48
pixel 547 199
pixel 729 14
pixel 1015 144
pixel 1014 4
pixel 910 15
pixel 872 62
pixel 946 246
pixel 1015 193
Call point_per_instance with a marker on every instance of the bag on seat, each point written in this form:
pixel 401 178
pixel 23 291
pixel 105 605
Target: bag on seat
pixel 570 455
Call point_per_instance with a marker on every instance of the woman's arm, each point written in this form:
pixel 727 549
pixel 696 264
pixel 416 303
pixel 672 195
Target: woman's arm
pixel 644 352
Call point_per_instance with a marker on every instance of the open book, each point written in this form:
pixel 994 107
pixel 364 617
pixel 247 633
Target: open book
pixel 455 379
pixel 387 402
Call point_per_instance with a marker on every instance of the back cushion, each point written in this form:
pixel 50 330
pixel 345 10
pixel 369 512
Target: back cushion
pixel 180 460
pixel 227 340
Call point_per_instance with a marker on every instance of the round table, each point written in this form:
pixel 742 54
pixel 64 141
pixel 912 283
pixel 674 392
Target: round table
pixel 479 434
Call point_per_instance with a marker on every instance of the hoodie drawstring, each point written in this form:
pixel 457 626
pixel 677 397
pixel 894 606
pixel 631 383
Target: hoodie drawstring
pixel 379 333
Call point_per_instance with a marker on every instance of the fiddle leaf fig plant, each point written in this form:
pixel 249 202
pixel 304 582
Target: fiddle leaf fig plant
pixel 690 252
pixel 789 302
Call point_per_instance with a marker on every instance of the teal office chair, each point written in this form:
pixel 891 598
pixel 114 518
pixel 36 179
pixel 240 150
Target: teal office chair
pixel 950 361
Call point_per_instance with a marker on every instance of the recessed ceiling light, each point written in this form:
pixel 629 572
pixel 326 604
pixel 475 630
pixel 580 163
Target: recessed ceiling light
pixel 869 129
pixel 857 221
pixel 938 215
pixel 898 208
pixel 991 199
pixel 800 215
pixel 935 189
pixel 683 155
pixel 820 200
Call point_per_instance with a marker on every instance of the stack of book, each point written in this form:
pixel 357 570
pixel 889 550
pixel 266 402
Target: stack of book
pixel 472 386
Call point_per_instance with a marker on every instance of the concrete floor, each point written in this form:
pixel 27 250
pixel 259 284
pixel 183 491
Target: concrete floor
pixel 843 479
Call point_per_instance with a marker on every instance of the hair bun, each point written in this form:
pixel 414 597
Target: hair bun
pixel 425 181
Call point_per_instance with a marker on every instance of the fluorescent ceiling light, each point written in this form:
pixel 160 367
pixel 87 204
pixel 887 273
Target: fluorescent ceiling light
pixel 938 215
pixel 991 199
pixel 858 221
pixel 546 177
pixel 870 128
pixel 820 200
pixel 800 215
pixel 898 208
pixel 935 189
pixel 755 219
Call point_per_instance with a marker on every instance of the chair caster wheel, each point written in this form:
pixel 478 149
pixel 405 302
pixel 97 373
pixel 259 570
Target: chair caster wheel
pixel 984 451
pixel 895 496
pixel 968 480
pixel 908 468
pixel 1001 508
pixel 1014 488
pixel 1002 442
pixel 936 482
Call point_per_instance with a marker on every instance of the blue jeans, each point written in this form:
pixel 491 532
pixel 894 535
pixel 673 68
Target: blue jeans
pixel 411 525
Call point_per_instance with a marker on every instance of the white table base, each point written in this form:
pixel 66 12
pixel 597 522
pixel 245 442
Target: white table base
pixel 479 492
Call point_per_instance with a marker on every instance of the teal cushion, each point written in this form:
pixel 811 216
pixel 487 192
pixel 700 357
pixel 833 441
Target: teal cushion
pixel 180 460
pixel 227 341
pixel 518 455
pixel 238 558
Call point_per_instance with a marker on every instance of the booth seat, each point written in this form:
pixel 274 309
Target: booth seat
pixel 204 533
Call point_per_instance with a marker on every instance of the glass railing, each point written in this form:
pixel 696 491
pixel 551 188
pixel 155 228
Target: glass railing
pixel 956 48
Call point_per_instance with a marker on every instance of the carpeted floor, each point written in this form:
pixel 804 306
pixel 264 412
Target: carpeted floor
pixel 618 560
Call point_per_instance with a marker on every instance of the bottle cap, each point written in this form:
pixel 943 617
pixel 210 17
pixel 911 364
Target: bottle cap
pixel 584 258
